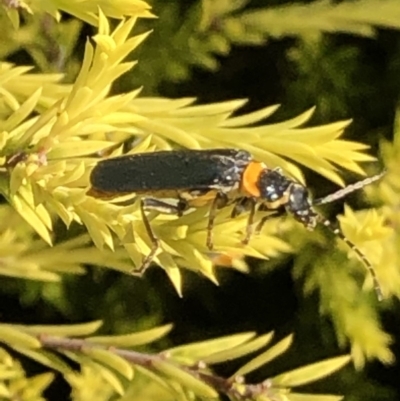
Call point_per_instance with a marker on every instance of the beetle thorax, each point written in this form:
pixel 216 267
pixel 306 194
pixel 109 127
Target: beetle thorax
pixel 277 190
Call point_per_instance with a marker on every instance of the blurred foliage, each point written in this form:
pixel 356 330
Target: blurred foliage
pixel 52 134
pixel 208 30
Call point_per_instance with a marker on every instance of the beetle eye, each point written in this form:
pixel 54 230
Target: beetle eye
pixel 299 199
pixel 299 205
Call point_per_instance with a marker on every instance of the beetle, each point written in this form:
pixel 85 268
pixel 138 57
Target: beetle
pixel 214 177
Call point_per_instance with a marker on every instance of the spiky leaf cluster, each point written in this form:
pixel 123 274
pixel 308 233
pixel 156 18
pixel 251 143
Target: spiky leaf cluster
pixel 111 368
pixel 51 136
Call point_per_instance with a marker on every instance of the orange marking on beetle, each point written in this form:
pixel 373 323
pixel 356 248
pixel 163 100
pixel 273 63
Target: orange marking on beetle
pixel 250 178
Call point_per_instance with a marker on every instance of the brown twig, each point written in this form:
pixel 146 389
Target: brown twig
pixel 233 388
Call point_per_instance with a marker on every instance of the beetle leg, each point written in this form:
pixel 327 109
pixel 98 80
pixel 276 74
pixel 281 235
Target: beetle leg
pixel 241 205
pixel 154 241
pixel 218 202
pixel 162 207
pixel 250 221
pixel 260 225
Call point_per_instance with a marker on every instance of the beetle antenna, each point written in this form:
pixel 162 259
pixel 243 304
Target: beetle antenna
pixel 349 189
pixel 337 232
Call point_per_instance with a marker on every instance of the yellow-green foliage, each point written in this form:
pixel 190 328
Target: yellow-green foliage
pixel 15 385
pixel 51 136
pixel 47 158
pixel 108 365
